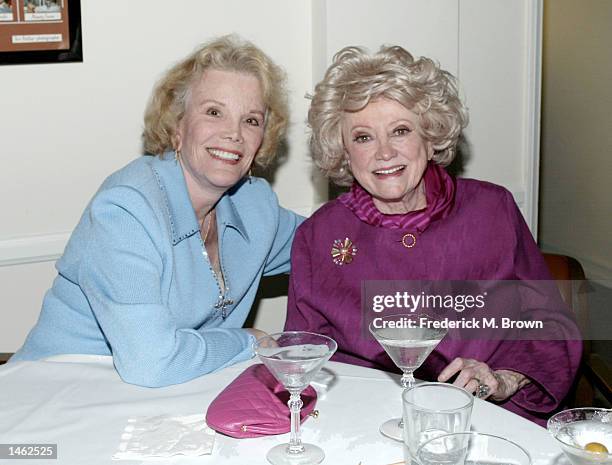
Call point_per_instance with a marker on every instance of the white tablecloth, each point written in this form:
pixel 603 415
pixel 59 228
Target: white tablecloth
pixel 81 404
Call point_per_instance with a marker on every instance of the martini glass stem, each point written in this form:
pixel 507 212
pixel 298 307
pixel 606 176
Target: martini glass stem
pixel 295 405
pixel 407 382
pixel 407 379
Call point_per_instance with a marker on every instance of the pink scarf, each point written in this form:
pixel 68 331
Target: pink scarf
pixel 439 192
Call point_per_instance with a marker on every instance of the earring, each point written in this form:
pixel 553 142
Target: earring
pixel 344 166
pixel 177 155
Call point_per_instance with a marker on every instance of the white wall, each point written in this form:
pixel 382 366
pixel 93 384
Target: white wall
pixel 499 66
pixel 576 208
pixel 65 127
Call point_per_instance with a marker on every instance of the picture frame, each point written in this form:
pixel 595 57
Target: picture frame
pixel 40 31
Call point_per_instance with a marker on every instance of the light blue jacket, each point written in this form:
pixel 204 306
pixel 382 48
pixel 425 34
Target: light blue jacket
pixel 134 281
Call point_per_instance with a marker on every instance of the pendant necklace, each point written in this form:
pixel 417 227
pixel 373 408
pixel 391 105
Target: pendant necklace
pixel 209 214
pixel 223 301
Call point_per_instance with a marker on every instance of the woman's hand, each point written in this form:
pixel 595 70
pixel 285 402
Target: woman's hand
pixel 257 333
pixel 477 377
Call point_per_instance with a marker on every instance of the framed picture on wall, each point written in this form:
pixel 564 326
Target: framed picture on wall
pixel 40 31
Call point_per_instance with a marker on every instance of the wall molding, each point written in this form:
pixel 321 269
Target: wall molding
pixel 33 249
pixel 533 83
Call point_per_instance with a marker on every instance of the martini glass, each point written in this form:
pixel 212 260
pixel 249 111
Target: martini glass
pixel 408 340
pixel 294 358
pixel 584 434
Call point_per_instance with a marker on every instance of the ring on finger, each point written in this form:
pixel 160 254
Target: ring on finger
pixel 482 390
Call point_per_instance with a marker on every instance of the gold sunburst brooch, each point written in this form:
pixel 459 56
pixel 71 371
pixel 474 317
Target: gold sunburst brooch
pixel 343 251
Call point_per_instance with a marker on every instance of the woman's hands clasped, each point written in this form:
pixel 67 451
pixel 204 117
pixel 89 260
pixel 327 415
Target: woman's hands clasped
pixel 478 378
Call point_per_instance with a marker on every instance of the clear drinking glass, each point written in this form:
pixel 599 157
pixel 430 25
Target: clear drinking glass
pixel 584 434
pixel 294 358
pixel 408 345
pixel 432 410
pixel 471 448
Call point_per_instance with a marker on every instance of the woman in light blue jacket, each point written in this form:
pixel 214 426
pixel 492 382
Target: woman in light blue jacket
pixel 164 265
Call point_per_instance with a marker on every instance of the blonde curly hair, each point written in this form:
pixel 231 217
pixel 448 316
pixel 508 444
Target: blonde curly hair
pixel 355 78
pixel 166 106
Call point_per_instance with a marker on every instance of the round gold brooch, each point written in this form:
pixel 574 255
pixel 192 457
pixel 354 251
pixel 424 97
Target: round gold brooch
pixel 409 240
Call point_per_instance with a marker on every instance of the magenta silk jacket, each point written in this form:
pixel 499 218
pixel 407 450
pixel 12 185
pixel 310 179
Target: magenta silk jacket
pixel 481 237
